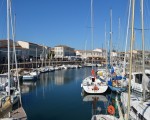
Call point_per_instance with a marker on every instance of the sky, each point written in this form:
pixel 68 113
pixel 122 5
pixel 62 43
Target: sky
pixel 68 22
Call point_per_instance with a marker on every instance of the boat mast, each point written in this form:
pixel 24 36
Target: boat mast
pixel 36 58
pixel 106 44
pixel 131 50
pixel 14 49
pixel 110 43
pixel 118 32
pixel 127 37
pixel 49 57
pixel 143 47
pixel 92 29
pixel 8 45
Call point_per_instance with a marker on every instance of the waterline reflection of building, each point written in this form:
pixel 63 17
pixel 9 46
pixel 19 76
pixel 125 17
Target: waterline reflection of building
pixel 28 86
pixel 59 77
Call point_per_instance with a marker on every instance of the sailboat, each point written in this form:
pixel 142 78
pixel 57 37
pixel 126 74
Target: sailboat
pixel 136 105
pixel 5 97
pixel 93 84
pixel 116 82
pixel 13 94
pixel 112 73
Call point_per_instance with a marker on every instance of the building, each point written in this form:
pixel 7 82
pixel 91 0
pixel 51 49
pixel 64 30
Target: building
pixel 96 53
pixel 32 50
pixel 25 51
pixel 4 50
pixel 63 51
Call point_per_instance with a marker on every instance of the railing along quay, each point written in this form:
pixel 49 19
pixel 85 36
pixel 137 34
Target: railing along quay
pixel 3 67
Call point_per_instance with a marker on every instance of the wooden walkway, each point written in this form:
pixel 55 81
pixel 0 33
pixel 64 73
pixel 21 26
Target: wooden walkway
pixel 19 114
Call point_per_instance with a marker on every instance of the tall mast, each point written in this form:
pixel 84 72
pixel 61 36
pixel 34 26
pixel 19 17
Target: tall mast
pixel 119 32
pixel 92 29
pixel 127 36
pixel 36 58
pixel 143 47
pixel 131 49
pixel 14 49
pixel 110 43
pixel 118 29
pixel 8 45
pixel 106 44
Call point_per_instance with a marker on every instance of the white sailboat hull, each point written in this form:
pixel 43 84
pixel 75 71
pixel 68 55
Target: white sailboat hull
pixel 89 89
pixel 138 107
pixel 89 86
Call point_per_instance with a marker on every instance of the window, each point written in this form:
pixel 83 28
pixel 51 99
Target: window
pixel 138 78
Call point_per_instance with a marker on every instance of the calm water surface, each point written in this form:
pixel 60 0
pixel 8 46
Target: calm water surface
pixel 57 96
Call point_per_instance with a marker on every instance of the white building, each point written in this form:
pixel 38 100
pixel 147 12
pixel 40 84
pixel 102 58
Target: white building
pixel 89 53
pixel 62 51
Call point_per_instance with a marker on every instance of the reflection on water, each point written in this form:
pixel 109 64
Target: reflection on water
pixel 27 86
pixel 57 96
pixel 100 103
pixel 59 77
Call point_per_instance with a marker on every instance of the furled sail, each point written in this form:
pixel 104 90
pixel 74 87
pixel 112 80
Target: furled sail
pixel 146 82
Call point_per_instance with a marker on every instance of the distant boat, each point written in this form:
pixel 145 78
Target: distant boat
pixel 30 75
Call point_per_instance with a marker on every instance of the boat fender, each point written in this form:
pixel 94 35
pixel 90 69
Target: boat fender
pixel 111 110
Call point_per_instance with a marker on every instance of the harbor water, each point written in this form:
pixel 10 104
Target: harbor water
pixel 58 96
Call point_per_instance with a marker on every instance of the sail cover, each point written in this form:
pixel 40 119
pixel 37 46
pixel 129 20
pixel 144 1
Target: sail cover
pixel 146 82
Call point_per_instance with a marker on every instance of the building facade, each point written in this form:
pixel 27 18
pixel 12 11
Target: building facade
pixel 33 50
pixel 62 51
pixel 25 51
pixel 96 53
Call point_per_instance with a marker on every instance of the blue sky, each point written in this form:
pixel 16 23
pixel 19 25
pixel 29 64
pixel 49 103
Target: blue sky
pixel 67 22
